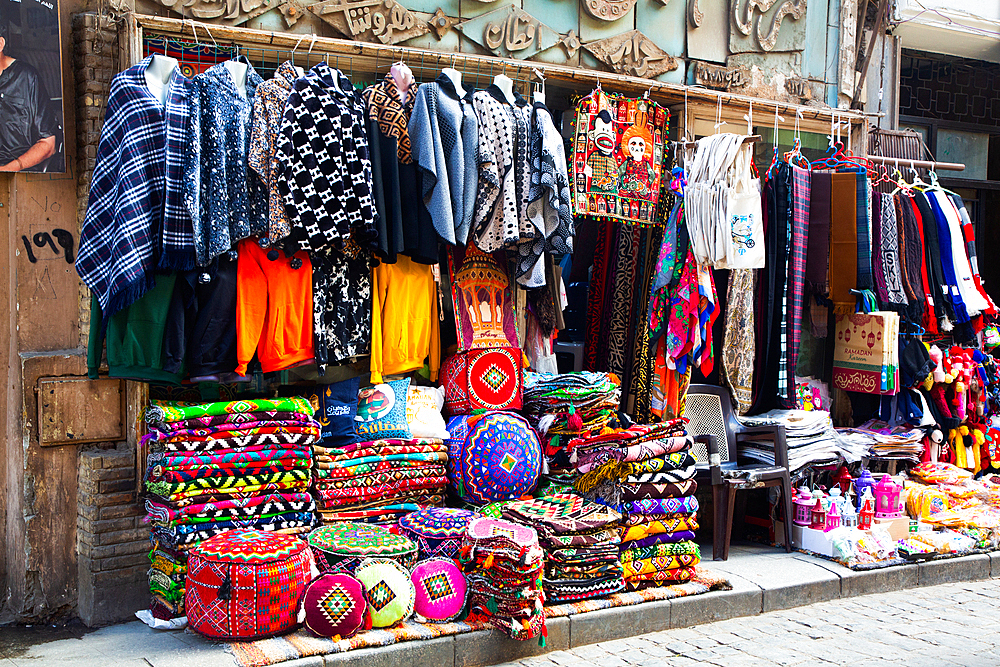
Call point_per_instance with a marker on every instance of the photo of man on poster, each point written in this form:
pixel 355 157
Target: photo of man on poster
pixel 29 124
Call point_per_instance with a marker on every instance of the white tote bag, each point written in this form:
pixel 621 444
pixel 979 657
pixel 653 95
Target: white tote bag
pixel 744 217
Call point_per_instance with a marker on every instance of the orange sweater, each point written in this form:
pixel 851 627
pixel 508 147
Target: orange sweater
pixel 405 327
pixel 274 309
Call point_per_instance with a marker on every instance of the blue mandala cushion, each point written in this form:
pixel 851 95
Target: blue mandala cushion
pixel 492 457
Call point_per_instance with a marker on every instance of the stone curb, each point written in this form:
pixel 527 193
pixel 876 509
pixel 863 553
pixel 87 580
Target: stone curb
pixel 827 581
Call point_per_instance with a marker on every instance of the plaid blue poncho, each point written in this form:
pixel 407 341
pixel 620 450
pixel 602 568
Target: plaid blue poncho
pixel 135 217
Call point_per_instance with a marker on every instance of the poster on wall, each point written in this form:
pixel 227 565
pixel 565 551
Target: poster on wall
pixel 32 136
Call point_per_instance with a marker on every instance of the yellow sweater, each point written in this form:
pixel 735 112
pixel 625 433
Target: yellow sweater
pixel 405 327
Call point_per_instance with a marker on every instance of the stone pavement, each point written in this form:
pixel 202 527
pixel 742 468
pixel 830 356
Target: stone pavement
pixel 766 584
pixel 942 626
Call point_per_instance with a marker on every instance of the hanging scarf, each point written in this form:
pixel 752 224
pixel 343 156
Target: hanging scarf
pixel 889 251
pixel 863 221
pixel 738 342
pixel 878 263
pixel 659 299
pixel 708 312
pixel 797 253
pixel 596 301
pixel 843 241
pixel 684 303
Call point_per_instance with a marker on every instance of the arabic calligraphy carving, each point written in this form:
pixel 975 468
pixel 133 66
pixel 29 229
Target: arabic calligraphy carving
pixel 235 11
pixel 695 15
pixel 509 31
pixel 608 10
pixel 384 21
pixel 744 16
pixel 632 53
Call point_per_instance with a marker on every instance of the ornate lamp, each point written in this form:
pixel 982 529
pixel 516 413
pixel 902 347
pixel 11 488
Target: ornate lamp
pixel 843 480
pixel 836 499
pixel 483 285
pixel 832 515
pixel 867 512
pixel 863 482
pixel 803 507
pixel 849 519
pixel 817 516
pixel 887 498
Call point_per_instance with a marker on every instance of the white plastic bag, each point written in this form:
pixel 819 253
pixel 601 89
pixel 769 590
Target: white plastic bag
pixel 745 221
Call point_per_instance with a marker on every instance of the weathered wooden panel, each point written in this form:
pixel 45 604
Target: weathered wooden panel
pixel 75 410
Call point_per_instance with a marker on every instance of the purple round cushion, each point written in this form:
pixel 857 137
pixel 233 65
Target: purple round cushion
pixel 441 589
pixel 334 605
pixel 437 531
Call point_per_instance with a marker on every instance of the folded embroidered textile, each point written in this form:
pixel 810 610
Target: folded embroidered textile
pixel 422 497
pixel 236 442
pixel 179 475
pixel 168 411
pixel 227 422
pixel 649 528
pixel 659 578
pixel 263 451
pixel 383 448
pixel 595 451
pixel 684 548
pixel 266 503
pixel 682 505
pixel 246 523
pixel 397 460
pixel 648 449
pixel 678 477
pixel 170 537
pixel 519 629
pixel 660 538
pixel 648 566
pixel 643 491
pixel 163 609
pixel 562 590
pixel 388 515
pixel 212 433
pixel 582 554
pixel 607 536
pixel 390 476
pixel 290 479
pixel 640 519
pixel 675 461
pixel 391 490
pixel 560 513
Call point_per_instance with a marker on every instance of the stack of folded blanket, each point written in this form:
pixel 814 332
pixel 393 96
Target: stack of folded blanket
pixel 218 466
pixel 379 481
pixel 503 564
pixel 560 407
pixel 646 472
pixel 580 538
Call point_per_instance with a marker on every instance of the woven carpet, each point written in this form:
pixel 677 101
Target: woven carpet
pixel 302 643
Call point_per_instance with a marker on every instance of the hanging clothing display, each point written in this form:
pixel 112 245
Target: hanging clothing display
pixel 617 157
pixel 405 327
pixel 323 158
pixel 225 203
pixel 342 305
pixel 444 135
pixel 136 191
pixel 265 125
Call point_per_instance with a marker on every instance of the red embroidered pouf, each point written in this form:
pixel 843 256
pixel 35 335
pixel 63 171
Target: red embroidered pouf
pixel 246 584
pixel 481 380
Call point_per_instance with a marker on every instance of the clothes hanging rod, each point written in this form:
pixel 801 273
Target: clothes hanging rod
pixel 369 55
pixel 917 164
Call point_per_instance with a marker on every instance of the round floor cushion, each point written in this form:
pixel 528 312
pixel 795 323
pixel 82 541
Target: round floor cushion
pixel 491 457
pixel 245 584
pixel 388 591
pixel 441 589
pixel 333 605
pixel 340 547
pixel 437 531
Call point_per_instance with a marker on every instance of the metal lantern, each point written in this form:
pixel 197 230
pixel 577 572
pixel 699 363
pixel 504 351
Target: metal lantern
pixel 817 516
pixel 861 484
pixel 849 519
pixel 803 507
pixel 843 479
pixel 887 498
pixel 867 512
pixel 833 515
pixel 836 499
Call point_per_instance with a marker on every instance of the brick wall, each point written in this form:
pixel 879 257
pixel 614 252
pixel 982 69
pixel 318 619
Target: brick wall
pixel 112 541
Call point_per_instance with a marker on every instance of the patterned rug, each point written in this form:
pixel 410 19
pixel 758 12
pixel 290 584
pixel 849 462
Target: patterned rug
pixel 302 643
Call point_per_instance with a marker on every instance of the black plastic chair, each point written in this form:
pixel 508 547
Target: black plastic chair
pixel 712 421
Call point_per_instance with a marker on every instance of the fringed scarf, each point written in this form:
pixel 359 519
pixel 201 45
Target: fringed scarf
pixel 843 241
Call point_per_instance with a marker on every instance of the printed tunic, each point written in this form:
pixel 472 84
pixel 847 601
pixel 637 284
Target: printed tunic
pixel 226 205
pixel 323 161
pixel 268 111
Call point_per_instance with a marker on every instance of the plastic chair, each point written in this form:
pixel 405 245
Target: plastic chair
pixel 712 421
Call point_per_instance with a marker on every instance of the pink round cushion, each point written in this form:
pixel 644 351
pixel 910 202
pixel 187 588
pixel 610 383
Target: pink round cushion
pixel 334 605
pixel 441 589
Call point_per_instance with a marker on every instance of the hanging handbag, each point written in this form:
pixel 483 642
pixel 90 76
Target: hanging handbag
pixel 745 221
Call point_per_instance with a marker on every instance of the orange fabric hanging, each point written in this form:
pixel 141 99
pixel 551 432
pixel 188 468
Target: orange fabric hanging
pixel 274 309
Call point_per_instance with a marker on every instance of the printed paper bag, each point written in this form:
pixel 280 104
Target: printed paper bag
pixel 865 355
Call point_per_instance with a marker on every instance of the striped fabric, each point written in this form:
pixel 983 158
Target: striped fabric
pixel 797 251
